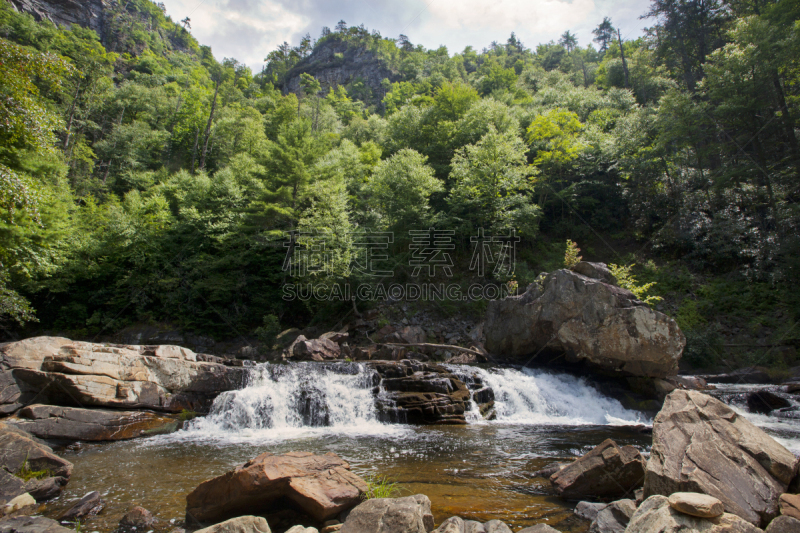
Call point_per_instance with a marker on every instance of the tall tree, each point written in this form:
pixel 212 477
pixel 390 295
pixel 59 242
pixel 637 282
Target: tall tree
pixel 604 34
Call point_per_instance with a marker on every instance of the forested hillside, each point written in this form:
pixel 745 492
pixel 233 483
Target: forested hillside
pixel 146 181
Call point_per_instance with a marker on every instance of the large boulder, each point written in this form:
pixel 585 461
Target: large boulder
pixel 608 471
pixel 59 371
pixel 702 445
pixel 421 393
pixel 764 401
pixel 456 524
pixel 783 524
pixel 411 514
pixel 656 515
pixel 72 423
pixel 587 320
pixel 240 524
pixel 320 486
pixel 19 453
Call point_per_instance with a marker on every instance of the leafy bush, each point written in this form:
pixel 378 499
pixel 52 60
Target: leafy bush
pixel 571 257
pixel 627 280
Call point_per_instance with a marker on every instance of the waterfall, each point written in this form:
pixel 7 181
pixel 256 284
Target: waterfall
pixel 539 397
pixel 298 396
pixel 294 399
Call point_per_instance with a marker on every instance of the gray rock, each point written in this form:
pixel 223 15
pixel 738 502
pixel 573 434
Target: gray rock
pixel 586 320
pixel 18 449
pixel 240 524
pixel 72 423
pixel 32 524
pixel 89 505
pixel 702 445
pixel 614 517
pixel 694 504
pixel 595 271
pixel 588 510
pixel 20 502
pixel 783 524
pixel 539 528
pixel 455 524
pixel 138 518
pixel 303 349
pixel 496 526
pixel 302 529
pixel 411 514
pixel 10 487
pixel 655 514
pixel 607 471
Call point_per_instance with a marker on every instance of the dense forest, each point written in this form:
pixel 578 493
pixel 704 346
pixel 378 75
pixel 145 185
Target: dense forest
pixel 145 181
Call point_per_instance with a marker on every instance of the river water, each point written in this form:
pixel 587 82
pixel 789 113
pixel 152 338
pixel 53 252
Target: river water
pixel 480 471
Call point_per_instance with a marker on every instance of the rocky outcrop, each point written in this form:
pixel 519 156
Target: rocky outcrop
pixel 320 486
pixel 608 471
pixel 73 424
pixel 32 524
pixel 765 401
pixel 702 445
pixel 411 514
pixel 18 453
pixel 588 321
pixel 421 393
pixel 72 373
pixel 240 524
pixel 86 13
pixel 655 514
pixel 337 62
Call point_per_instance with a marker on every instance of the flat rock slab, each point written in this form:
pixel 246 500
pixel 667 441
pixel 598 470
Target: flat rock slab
pixel 240 524
pixel 696 504
pixel 32 524
pixel 702 445
pixel 411 514
pixel 656 515
pixel 608 471
pixel 72 423
pixel 321 486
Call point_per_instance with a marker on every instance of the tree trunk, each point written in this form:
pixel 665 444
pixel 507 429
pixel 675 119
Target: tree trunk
pixel 624 63
pixel 208 128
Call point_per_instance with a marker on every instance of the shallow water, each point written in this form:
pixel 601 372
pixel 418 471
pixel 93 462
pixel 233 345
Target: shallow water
pixel 480 471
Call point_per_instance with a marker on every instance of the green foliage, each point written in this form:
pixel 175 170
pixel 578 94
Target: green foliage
pixel 26 473
pixel 185 415
pixel 627 280
pixel 380 487
pixel 571 257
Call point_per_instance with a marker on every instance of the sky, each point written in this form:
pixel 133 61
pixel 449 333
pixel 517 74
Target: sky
pixel 249 29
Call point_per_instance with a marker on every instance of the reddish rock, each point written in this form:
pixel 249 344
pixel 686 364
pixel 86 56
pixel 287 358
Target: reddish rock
pixel 321 486
pixel 608 471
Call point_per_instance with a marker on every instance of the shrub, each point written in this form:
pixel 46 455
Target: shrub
pixel 627 280
pixel 571 257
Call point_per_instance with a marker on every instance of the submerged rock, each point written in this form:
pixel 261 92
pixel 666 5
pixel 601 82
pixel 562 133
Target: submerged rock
pixel 240 524
pixel 587 320
pixel 70 423
pixel 655 514
pixel 411 514
pixel 322 486
pixel 702 445
pixel 421 393
pixel 608 471
pixel 138 518
pixel 32 524
pixel 765 401
pixel 89 505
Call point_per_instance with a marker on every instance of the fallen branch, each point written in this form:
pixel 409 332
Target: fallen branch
pixel 438 346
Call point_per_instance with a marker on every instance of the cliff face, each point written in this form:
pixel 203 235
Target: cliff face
pixel 337 62
pixel 86 13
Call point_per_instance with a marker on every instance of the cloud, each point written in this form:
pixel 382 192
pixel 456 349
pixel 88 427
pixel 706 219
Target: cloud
pixel 249 29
